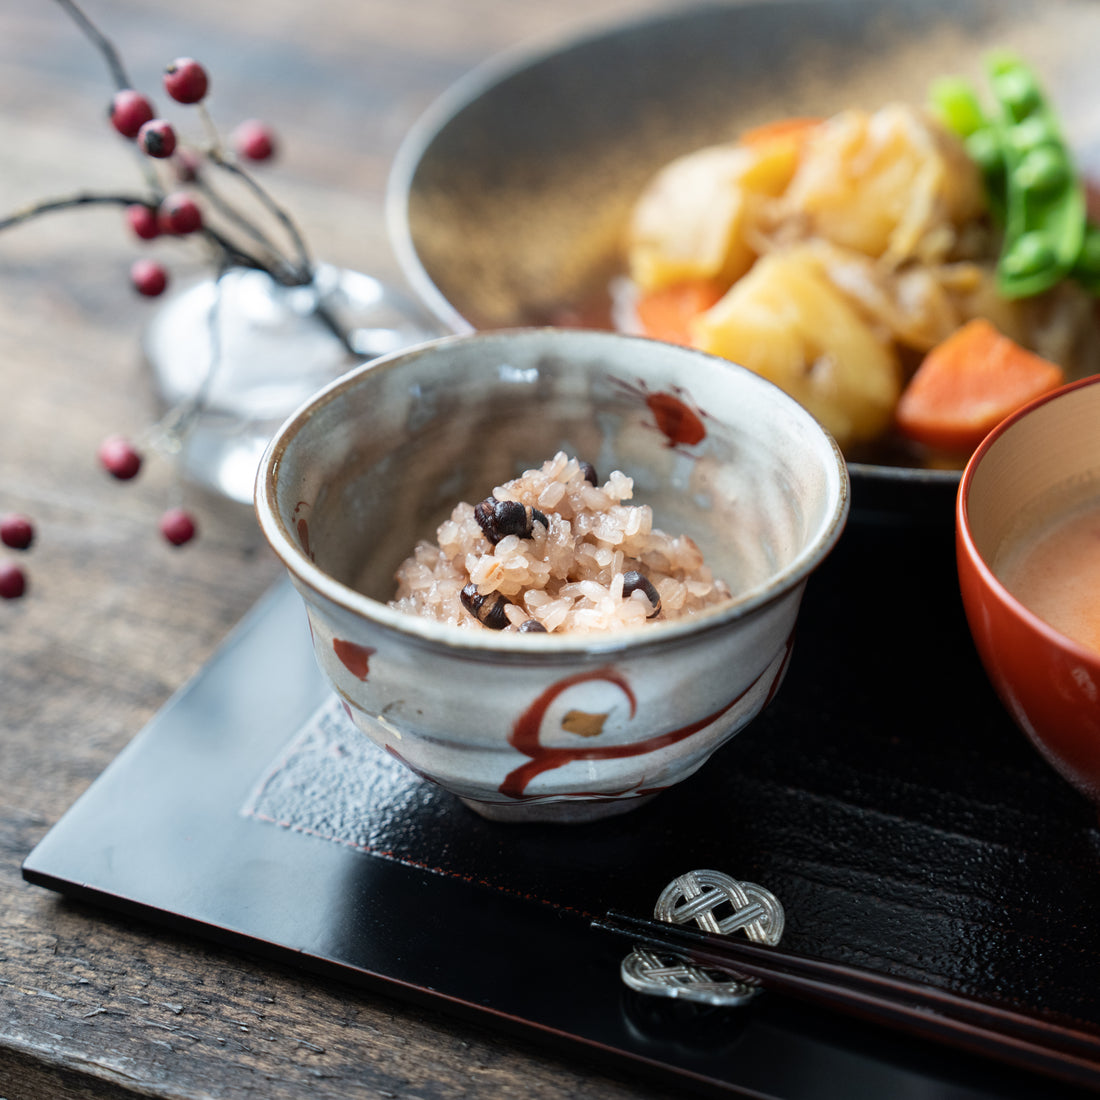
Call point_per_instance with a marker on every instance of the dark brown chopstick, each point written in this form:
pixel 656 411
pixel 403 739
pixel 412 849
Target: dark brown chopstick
pixel 1041 1045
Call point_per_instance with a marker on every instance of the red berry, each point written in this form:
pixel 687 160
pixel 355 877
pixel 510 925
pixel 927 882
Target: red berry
pixel 143 221
pixel 254 140
pixel 130 111
pixel 16 531
pixel 185 80
pixel 118 457
pixel 157 138
pixel 177 526
pixel 179 213
pixel 148 277
pixel 13 581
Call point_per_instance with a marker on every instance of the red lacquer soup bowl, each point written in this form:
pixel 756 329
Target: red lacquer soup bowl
pixel 1042 461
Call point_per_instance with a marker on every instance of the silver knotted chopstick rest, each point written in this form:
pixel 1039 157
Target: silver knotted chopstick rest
pixel 701 895
pixel 716 903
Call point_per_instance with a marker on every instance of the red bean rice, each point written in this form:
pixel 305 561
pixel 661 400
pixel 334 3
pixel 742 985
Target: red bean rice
pixel 568 577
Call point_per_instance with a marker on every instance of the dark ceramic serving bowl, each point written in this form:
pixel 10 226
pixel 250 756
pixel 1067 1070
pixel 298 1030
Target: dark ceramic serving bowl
pixel 508 199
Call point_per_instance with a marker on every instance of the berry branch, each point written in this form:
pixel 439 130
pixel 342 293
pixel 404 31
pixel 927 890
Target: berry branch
pixel 177 200
pixel 131 113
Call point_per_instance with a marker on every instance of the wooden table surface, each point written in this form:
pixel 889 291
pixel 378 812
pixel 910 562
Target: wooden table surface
pixel 115 619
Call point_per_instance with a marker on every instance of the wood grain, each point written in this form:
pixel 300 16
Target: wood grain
pixel 115 620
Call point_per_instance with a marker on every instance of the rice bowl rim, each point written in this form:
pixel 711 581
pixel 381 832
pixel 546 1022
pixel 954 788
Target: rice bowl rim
pixel 459 640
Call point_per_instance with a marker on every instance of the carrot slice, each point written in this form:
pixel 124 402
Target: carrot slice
pixel 794 127
pixel 968 384
pixel 666 314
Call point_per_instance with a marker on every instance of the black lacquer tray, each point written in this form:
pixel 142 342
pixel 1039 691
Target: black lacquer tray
pixel 884 796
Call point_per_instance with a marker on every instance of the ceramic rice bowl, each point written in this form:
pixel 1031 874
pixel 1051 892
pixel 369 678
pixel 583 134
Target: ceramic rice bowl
pixel 379 459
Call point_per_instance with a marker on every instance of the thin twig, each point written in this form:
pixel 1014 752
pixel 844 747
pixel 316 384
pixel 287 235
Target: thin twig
pixel 102 43
pixel 212 136
pixel 231 252
pixel 273 207
pixel 238 257
pixel 326 317
pixel 82 198
pixel 232 214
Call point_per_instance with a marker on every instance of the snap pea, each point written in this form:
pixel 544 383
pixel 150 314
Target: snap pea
pixel 1033 190
pixel 1044 228
pixel 958 106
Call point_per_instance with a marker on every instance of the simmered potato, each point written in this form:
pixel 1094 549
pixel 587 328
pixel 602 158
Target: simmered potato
pixel 889 183
pixel 692 220
pixel 787 322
